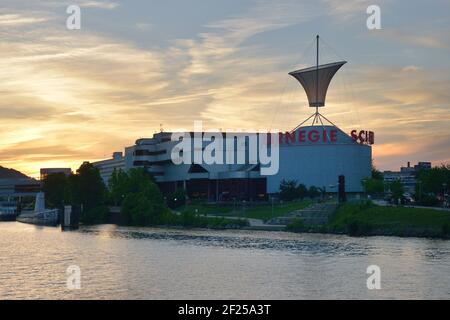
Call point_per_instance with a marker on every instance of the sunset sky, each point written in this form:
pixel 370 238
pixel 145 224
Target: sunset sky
pixel 74 95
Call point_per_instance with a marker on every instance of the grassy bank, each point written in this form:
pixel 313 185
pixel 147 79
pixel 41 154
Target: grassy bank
pixel 189 219
pixel 368 219
pixel 257 211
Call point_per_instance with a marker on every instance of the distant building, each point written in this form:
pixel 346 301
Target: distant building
pixel 407 175
pixel 44 172
pixel 16 187
pixel 107 167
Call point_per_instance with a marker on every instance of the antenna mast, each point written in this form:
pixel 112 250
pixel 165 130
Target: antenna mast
pixel 317 79
pixel 317 74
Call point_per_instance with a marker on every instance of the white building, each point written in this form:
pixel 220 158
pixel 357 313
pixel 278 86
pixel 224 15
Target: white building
pixel 107 167
pixel 312 154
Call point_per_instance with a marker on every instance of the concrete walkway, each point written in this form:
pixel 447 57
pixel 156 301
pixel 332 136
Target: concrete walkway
pixel 314 215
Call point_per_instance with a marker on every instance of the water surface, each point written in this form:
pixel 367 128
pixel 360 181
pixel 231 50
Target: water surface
pixel 148 263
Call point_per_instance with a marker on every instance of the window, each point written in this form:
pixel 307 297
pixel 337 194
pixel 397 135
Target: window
pixel 149 153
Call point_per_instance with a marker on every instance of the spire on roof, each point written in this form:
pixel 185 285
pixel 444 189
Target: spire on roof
pixel 315 80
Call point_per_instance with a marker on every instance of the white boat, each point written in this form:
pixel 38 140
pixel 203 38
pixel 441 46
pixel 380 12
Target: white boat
pixel 40 215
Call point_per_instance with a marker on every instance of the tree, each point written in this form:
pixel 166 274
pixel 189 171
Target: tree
pixel 177 199
pixel 139 196
pixel 119 185
pixel 302 191
pixel 313 192
pixel 86 188
pixel 397 190
pixel 373 186
pixel 55 187
pixel 288 190
pixel 144 207
pixel 434 180
pixel 376 174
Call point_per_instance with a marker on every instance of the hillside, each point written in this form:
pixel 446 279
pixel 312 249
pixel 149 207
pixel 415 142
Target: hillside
pixel 6 173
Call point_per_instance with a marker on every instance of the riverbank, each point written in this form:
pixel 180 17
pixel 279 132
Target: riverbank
pixel 353 219
pixel 248 211
pixel 368 219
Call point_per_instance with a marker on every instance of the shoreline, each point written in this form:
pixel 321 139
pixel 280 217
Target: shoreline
pixel 419 234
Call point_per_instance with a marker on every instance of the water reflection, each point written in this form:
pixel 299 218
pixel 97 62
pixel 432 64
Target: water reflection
pixel 240 240
pixel 148 263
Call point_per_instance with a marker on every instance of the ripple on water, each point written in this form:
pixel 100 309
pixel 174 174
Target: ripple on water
pixel 149 263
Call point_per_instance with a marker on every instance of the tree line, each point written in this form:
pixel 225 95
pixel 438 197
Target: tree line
pixel 292 190
pixel 432 185
pixel 134 191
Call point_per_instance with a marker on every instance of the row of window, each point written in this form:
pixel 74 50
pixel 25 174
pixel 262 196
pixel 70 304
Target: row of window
pixel 149 153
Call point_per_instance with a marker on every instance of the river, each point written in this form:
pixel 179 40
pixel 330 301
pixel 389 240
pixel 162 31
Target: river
pixel 150 263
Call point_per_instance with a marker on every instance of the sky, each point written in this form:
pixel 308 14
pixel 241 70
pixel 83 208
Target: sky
pixel 136 67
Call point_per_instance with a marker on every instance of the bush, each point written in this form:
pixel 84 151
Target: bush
pixel 428 201
pixel 189 219
pixel 358 228
pixel 95 215
pixel 140 198
pixel 296 225
pixel 177 199
pixel 290 190
pixel 365 204
pixel 313 192
pixel 445 230
pixel 143 208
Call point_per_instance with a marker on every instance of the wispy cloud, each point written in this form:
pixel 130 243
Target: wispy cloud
pixel 15 19
pixel 99 4
pixel 435 40
pixel 74 96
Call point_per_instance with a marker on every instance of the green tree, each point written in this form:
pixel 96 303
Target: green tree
pixel 140 198
pixel 86 188
pixel 373 186
pixel 177 199
pixel 375 173
pixel 302 191
pixel 55 187
pixel 313 192
pixel 119 186
pixel 397 190
pixel 288 190
pixel 434 180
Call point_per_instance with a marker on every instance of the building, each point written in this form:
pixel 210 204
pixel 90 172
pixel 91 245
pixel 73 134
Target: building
pixel 301 157
pixel 407 175
pixel 44 172
pixel 18 187
pixel 107 167
pixel 313 154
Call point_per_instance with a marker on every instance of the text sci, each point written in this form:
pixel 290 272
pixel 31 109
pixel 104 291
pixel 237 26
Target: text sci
pixel 324 136
pixel 363 136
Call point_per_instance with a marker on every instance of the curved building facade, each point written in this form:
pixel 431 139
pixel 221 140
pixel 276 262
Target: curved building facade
pixel 311 155
pixel 317 155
